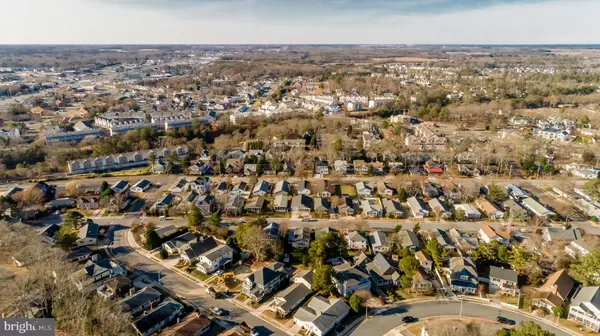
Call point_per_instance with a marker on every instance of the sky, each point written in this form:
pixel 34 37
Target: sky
pixel 300 22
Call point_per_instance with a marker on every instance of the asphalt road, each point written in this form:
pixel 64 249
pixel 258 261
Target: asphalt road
pixel 390 319
pixel 180 285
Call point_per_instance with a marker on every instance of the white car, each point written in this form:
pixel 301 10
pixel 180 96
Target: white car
pixel 217 311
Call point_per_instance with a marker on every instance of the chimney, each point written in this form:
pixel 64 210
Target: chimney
pixel 132 291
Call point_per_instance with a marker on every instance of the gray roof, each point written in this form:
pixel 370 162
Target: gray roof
pixel 381 269
pixel 195 250
pixel 236 201
pixel 503 274
pixel 391 205
pixel 90 230
pixel 282 186
pixel 409 238
pixel 322 312
pixel 377 238
pixel 292 296
pixel 265 275
pixel 307 275
pixel 142 184
pixel 321 204
pixel 263 186
pixel 256 203
pixel 587 296
pixel 350 275
pixel 217 252
pixel 301 202
pixel 562 234
pixel 182 240
pixel 281 201
pixel 140 298
pixel 168 308
pixel 165 231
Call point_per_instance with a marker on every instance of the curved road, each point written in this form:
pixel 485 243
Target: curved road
pixel 179 284
pixel 391 318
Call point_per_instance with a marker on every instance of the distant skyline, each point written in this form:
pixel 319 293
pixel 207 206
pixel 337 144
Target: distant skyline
pixel 300 22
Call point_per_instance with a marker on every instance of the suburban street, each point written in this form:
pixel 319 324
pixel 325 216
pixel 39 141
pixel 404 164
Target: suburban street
pixel 390 319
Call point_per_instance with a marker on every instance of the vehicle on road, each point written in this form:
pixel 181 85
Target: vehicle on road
pixel 162 218
pixel 505 320
pixel 254 332
pixel 407 319
pixel 217 311
pixel 306 219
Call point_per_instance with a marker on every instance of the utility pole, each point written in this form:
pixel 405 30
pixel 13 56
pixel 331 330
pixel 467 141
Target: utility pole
pixel 461 307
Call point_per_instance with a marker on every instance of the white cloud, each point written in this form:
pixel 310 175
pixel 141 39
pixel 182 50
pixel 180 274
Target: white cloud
pixel 220 22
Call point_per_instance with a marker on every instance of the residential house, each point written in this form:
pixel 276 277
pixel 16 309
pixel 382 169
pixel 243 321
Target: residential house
pixel 356 240
pixel 585 308
pixel 462 275
pixel 393 208
pixel 299 238
pixel 303 188
pixel 272 231
pixel 322 188
pixel 179 243
pixel 180 186
pixel 514 209
pixel 360 167
pixel 94 271
pixel 261 188
pixel 346 206
pixel 280 204
pixel 221 189
pixel 416 207
pixel 384 189
pixel 201 185
pixel 464 241
pixel 234 205
pixel 255 205
pixel 515 192
pixel 193 325
pixel 363 189
pixel 536 208
pixel 579 247
pixel 439 208
pixel 291 298
pixel 117 286
pixel 349 279
pixel 555 291
pixel 321 315
pixel 281 188
pixel 409 240
pixel 47 234
pixel 424 260
pixel 78 254
pixel 451 191
pixel 241 189
pixel 88 202
pixel 489 234
pixel 159 166
pixel 215 258
pixel 194 250
pixel 140 301
pixel 120 187
pixel 322 167
pixel 372 207
pixel 88 234
pixel 302 204
pixel 207 205
pixel 557 234
pixel 444 240
pixel 322 205
pixel 250 169
pixel 421 283
pixel 158 318
pixel 504 280
pixel 264 281
pixel 489 208
pixel 341 167
pixel 141 186
pixel 165 231
pixel 200 168
pixel 428 190
pixel 382 273
pixel 163 203
pixel 470 212
pixel 378 241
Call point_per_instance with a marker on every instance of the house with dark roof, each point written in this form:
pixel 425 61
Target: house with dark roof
pixel 504 280
pixel 585 308
pixel 47 234
pixel 201 185
pixel 378 241
pixel 555 291
pixel 264 281
pixel 462 275
pixel 272 230
pixel 158 318
pixel 207 205
pixel 88 234
pixel 299 237
pixel 261 188
pixel 302 203
pixel 290 298
pixel 349 279
pixel 141 186
pixel 79 253
pixel 221 188
pixel 140 301
pixel 94 271
pixel 322 205
pixel 234 205
pixel 164 202
pixel 179 243
pixel 321 315
pixel 165 231
pixel 195 250
pixel 120 186
pixel 346 206
pixel 181 185
pixel 281 188
pixel 382 272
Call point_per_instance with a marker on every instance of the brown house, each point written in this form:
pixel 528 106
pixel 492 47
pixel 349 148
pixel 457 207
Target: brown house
pixel 88 202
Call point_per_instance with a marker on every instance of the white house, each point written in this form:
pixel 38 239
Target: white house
pixel 321 315
pixel 212 260
pixel 488 234
pixel 585 308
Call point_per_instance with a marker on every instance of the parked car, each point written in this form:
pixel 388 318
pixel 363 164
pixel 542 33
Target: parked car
pixel 504 320
pixel 408 319
pixel 217 311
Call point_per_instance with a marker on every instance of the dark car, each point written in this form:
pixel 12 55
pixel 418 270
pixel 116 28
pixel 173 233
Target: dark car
pixel 407 319
pixel 504 320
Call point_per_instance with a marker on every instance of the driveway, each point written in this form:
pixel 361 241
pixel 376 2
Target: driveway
pixel 390 319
